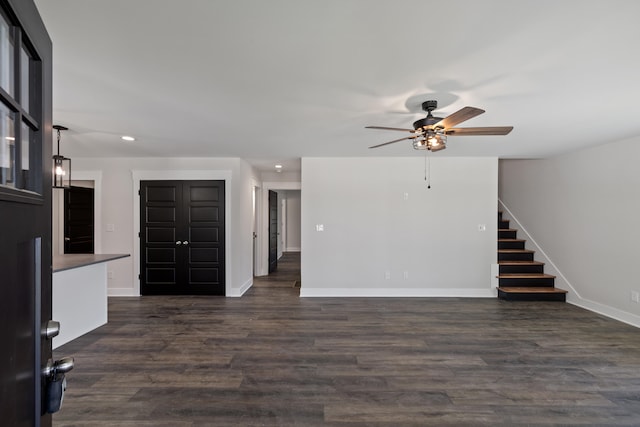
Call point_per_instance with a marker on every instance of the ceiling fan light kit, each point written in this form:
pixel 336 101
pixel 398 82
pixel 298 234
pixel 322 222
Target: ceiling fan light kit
pixel 431 132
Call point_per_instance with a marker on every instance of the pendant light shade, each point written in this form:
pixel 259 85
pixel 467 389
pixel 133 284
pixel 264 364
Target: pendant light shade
pixel 61 165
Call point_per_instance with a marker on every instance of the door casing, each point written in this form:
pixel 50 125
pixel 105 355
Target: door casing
pixel 182 175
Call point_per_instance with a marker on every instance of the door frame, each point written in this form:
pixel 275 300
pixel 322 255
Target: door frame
pixel 96 177
pixel 181 175
pixel 257 226
pixel 283 224
pixel 263 236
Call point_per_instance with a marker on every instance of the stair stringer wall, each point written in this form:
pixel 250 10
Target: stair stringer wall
pixel 573 296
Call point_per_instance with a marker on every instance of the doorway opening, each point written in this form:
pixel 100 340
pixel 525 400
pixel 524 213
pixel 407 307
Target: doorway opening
pixel 287 244
pixel 83 218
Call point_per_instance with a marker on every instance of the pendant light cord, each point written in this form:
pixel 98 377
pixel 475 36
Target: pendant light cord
pixel 58 141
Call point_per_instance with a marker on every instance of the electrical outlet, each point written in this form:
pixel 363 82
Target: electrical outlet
pixel 109 274
pixel 405 275
pixel 387 275
pixel 635 296
pixel 482 227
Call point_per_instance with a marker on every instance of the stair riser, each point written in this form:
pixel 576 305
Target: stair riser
pixel 515 257
pixel 531 297
pixel 502 223
pixel 539 282
pixel 507 234
pixel 521 269
pixel 511 245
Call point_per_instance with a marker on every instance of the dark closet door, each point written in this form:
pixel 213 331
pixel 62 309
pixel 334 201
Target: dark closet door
pixel 182 238
pixel 78 220
pixel 273 231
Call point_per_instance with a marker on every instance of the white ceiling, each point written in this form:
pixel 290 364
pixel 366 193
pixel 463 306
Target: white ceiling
pixel 277 80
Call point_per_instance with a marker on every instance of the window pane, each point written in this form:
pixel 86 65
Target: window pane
pixel 25 81
pixel 6 56
pixel 7 147
pixel 25 136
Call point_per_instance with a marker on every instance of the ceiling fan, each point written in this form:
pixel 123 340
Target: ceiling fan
pixel 431 132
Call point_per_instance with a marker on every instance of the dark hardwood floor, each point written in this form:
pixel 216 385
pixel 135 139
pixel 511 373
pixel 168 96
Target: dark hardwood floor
pixel 271 358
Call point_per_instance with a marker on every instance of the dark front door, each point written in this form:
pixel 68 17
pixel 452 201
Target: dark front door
pixel 25 212
pixel 182 238
pixel 273 231
pixel 78 220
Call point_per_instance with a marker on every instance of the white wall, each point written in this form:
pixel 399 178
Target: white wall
pixel 119 201
pixel 370 229
pixel 582 209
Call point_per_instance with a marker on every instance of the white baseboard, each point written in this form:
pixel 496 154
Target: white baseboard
pixel 292 250
pixel 605 310
pixel 122 292
pixel 398 292
pixel 244 288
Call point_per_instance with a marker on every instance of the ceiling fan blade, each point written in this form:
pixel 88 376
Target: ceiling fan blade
pixel 386 128
pixel 459 116
pixel 493 130
pixel 391 142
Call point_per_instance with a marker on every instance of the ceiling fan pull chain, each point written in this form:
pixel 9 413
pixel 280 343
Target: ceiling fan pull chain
pixel 427 175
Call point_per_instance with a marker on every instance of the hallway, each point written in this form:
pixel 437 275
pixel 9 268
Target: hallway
pixel 285 281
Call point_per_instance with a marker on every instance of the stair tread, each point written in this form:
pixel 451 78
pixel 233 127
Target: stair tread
pixel 532 290
pixel 515 251
pixel 512 240
pixel 517 262
pixel 525 276
pixel 507 229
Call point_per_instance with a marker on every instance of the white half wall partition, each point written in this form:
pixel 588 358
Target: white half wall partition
pixel 371 227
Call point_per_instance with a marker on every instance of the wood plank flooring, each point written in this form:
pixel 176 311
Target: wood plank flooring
pixel 271 358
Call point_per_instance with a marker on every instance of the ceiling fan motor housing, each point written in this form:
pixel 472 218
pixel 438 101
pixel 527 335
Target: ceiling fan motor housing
pixel 426 122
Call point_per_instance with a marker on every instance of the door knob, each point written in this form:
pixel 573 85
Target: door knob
pixel 61 366
pixel 51 330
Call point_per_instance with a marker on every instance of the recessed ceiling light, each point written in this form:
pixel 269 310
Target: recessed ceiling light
pixel 9 138
pixel 128 138
pixel 278 166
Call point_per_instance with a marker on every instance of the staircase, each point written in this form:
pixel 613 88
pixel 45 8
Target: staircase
pixel 520 278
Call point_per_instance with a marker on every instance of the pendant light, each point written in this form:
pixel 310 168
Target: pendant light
pixel 61 165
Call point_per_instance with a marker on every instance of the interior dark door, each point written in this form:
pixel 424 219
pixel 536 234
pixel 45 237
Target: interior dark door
pixel 25 214
pixel 182 238
pixel 273 231
pixel 78 220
